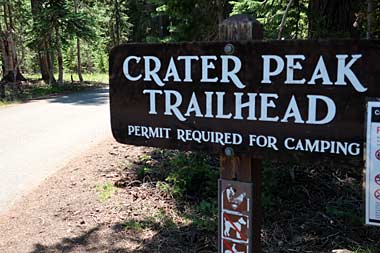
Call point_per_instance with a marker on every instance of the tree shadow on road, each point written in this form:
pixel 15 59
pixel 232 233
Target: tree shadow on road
pixel 93 97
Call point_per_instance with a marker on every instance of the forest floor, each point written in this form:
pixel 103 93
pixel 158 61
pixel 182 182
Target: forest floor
pixel 115 198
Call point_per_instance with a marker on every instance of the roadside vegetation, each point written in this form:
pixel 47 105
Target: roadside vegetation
pixel 306 208
pixel 35 88
pixel 170 199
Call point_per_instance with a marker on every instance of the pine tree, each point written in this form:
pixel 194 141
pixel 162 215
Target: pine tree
pixel 11 68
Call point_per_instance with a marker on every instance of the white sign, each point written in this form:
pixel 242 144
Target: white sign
pixel 373 164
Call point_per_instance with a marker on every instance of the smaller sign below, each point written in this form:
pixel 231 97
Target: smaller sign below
pixel 235 207
pixel 373 164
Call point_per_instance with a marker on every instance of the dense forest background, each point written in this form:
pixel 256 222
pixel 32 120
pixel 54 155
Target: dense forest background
pixel 53 39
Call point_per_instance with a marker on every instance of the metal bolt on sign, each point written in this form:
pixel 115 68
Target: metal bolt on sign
pixel 229 152
pixel 229 49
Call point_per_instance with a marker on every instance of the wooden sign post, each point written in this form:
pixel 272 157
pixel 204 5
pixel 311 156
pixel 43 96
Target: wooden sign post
pixel 239 172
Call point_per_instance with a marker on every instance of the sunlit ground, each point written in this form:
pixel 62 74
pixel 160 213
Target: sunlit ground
pixel 88 77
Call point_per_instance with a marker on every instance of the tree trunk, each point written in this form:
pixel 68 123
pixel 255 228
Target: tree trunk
pixel 50 64
pixel 59 56
pixel 332 19
pixel 2 90
pixel 44 66
pixel 43 49
pixel 117 23
pixel 52 80
pixel 11 71
pixel 79 67
pixel 9 64
pixel 220 7
pixel 79 61
pixel 370 18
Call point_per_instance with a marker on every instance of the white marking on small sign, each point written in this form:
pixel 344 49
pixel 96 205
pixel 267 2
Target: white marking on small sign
pixel 235 224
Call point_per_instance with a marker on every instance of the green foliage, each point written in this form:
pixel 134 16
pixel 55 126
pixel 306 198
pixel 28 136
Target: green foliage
pixel 145 158
pixel 275 179
pixel 182 174
pixel 205 215
pixel 101 62
pixel 139 19
pixel 164 187
pixel 343 213
pixel 135 225
pixel 193 175
pixel 105 191
pixel 97 78
pixel 376 25
pixel 156 221
pixel 46 90
pixel 363 250
pixel 120 27
pixel 270 14
pixel 103 24
pixel 101 78
pixel 143 171
pixel 60 15
pixel 186 176
pixel 4 103
pixel 188 20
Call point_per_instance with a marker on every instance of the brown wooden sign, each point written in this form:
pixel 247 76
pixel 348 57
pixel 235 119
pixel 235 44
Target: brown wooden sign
pixel 271 99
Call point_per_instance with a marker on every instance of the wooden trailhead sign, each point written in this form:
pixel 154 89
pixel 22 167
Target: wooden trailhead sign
pixel 270 99
pixel 247 101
